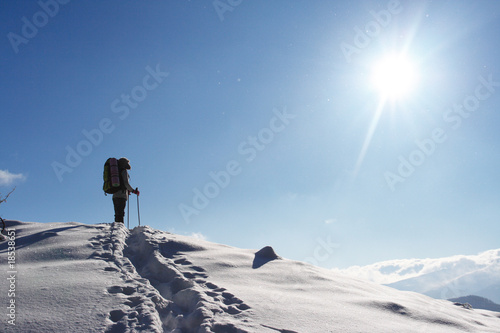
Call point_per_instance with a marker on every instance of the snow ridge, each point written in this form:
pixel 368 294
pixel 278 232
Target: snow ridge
pixel 164 291
pixel 105 278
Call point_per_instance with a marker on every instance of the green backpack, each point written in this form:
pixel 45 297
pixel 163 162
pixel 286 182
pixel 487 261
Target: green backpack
pixel 111 176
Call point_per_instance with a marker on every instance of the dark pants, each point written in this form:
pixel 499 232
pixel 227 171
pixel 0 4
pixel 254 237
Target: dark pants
pixel 119 204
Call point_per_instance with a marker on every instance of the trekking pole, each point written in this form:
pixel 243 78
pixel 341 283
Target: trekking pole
pixel 138 214
pixel 128 210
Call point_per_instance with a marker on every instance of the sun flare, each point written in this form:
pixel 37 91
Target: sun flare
pixel 394 76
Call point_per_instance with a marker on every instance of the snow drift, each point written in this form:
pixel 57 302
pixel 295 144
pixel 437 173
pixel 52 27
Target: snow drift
pixel 72 277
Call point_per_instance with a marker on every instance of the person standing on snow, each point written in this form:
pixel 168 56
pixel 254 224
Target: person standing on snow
pixel 120 197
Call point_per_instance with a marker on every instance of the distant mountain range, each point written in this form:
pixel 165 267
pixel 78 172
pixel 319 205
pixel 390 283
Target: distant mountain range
pixel 477 302
pixel 443 278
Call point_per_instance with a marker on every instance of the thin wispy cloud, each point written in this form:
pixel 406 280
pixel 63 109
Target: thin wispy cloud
pixel 392 271
pixel 7 178
pixel 198 235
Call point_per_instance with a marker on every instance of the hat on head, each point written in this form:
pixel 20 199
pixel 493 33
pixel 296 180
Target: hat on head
pixel 124 163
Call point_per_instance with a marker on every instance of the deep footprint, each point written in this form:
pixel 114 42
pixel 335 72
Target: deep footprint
pixel 116 315
pixel 111 269
pixel 133 301
pixel 182 261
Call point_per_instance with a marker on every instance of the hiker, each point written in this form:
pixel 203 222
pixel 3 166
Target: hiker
pixel 120 197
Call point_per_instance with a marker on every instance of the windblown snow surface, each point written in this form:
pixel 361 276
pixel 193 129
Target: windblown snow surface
pixel 72 277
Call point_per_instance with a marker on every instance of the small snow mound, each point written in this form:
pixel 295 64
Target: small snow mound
pixel 267 252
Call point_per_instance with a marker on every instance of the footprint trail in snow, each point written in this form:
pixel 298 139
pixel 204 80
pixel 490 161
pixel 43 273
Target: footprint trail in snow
pixel 162 290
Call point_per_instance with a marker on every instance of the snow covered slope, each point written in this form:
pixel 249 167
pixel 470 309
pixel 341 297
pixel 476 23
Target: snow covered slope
pixel 71 277
pixel 443 278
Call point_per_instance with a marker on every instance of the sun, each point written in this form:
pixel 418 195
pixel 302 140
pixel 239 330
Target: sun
pixel 394 76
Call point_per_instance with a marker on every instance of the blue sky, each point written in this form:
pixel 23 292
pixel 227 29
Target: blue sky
pixel 268 110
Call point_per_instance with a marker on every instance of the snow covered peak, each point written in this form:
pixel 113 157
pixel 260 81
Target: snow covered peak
pixel 72 277
pixel 445 278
